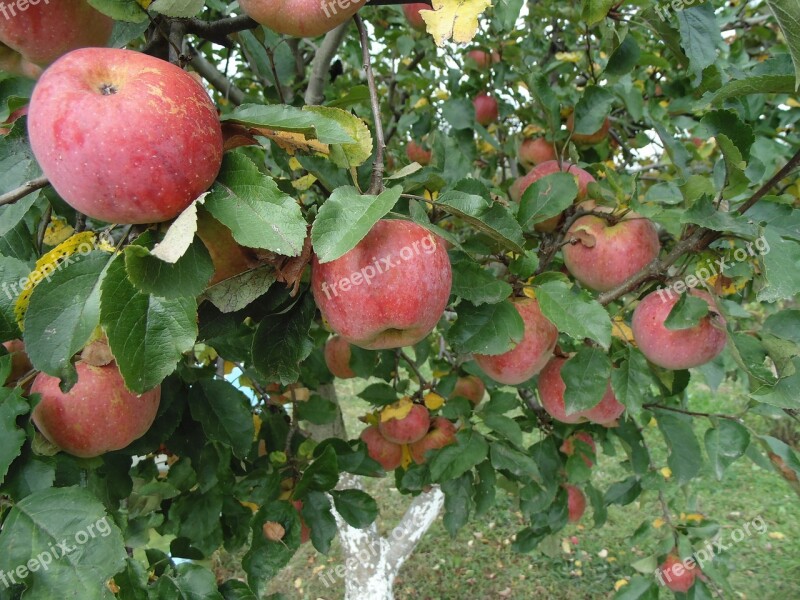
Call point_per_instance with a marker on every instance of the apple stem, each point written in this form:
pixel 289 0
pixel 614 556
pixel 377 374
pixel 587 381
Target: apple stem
pixel 376 186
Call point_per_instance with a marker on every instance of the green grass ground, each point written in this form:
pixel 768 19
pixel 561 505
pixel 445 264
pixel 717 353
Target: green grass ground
pixel 479 563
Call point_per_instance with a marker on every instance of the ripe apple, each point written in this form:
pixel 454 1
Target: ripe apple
pixel 381 450
pixel 588 139
pixel 602 255
pixel 535 151
pixel 305 531
pixel 124 137
pixel 484 59
pixel 20 363
pixel 572 444
pixel 551 391
pixel 409 429
pixel 387 292
pixel 470 387
pixel 442 433
pixel 97 415
pixel 46 30
pixel 337 357
pixel 416 153
pixel 681 348
pixel 486 109
pixel 576 503
pixel 528 357
pixel 413 17
pixel 229 257
pixel 301 18
pixel 675 575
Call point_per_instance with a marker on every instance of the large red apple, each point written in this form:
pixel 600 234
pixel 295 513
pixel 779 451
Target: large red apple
pixel 413 17
pixel 535 151
pixel 442 433
pixel 381 450
pixel 486 109
pixel 124 137
pixel 582 443
pixel 528 357
pixel 409 429
pixel 551 391
pixel 387 292
pixel 470 387
pixel 98 414
pixel 590 139
pixel 673 574
pixel 576 503
pixel 20 363
pixel 602 255
pixel 416 153
pixel 301 18
pixel 47 29
pixel 484 59
pixel 228 256
pixel 337 357
pixel 680 348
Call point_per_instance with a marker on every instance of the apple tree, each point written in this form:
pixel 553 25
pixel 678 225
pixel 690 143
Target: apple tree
pixel 529 226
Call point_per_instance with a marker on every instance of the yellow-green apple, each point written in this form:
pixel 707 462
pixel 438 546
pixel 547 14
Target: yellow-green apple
pixel 20 363
pixel 381 450
pixel 484 59
pixel 301 18
pixel 535 151
pixel 45 30
pixel 124 137
pixel 305 531
pixel 337 357
pixel 582 443
pixel 387 292
pixel 416 153
pixel 576 503
pixel 470 387
pixel 602 254
pixel 582 179
pixel 413 17
pixel 590 139
pixel 528 357
pixel 486 109
pixel 442 433
pixel 551 391
pixel 97 415
pixel 679 348
pixel 674 574
pixel 408 429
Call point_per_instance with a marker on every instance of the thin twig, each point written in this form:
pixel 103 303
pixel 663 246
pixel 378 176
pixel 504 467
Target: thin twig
pixel 422 381
pixel 376 186
pixel 23 190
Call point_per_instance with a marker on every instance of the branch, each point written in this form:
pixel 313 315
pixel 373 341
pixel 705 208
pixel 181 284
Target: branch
pixel 376 186
pixel 414 368
pixel 221 83
pixel 218 31
pixel 321 64
pixel 690 412
pixel 419 516
pixel 23 190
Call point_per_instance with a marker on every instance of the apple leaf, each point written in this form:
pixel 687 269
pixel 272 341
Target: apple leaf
pixel 187 580
pixel 687 313
pixel 11 271
pixel 346 218
pixel 177 8
pixel 12 405
pixel 632 380
pixel 573 311
pixel 546 198
pixel 759 84
pixel 685 457
pixel 281 342
pixel 490 218
pixel 784 393
pixel 475 284
pixel 17 164
pixel 186 278
pixel 225 414
pixel 180 234
pixel 725 444
pixel 595 11
pixel 236 292
pixel 279 117
pixel 700 37
pixel 787 13
pixel 147 334
pixel 703 213
pixel 519 464
pixel 347 155
pixel 356 507
pixel 258 214
pixel 457 502
pixel 454 20
pixel 486 329
pixel 586 377
pixel 266 558
pixel 592 109
pixel 121 10
pixel 317 514
pixel 781 279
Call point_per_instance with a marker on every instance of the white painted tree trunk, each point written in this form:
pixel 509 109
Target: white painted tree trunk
pixel 371 562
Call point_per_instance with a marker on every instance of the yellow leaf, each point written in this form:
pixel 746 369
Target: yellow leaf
pixel 619 584
pixel 57 231
pixel 256 426
pixel 570 57
pixel 531 130
pixel 455 20
pixel 620 330
pixel 406 456
pixel 398 410
pixel 251 505
pixel 145 4
pixel 566 547
pixel 228 367
pixel 347 155
pixel 294 164
pixel 776 535
pixel 658 523
pixel 529 292
pixel 694 517
pixel 421 103
pixel 666 472
pixel 433 401
pixel 442 95
pixel 303 183
pixel 652 422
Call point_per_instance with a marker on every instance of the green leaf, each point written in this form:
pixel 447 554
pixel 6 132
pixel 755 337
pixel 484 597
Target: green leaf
pixel 42 526
pixel 346 156
pixel 787 13
pixel 457 503
pixel 486 329
pixel 574 312
pixel 586 377
pixel 147 334
pixel 188 581
pixel 685 458
pixel 456 459
pixel 784 393
pixel 237 292
pixel 281 342
pixel 700 36
pixel 225 414
pixel 346 218
pixel 379 394
pixel 322 475
pixel 64 311
pixel 546 198
pixel 485 488
pixel 784 324
pixel 17 164
pixel 187 278
pixel 632 380
pixel 592 110
pixel 477 285
pixel 758 84
pixel 505 426
pixel 266 558
pixel 121 10
pixel 595 11
pixel 177 8
pixel 515 462
pixel 781 278
pixel 704 213
pixel 320 520
pixel 725 444
pixel 490 218
pixel 11 271
pixel 357 508
pixel 279 117
pixel 12 405
pixel 624 58
pixel 250 204
pixel 687 313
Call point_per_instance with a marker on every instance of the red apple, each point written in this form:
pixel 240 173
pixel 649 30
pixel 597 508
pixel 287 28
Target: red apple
pixel 576 503
pixel 442 433
pixel 681 348
pixel 124 137
pixel 535 151
pixel 588 139
pixel 305 531
pixel 486 109
pixel 413 17
pixel 409 429
pixel 301 18
pixel 417 153
pixel 484 59
pixel 98 414
pixel 551 391
pixel 229 257
pixel 573 444
pixel 470 387
pixel 528 357
pixel 673 574
pixel 381 450
pixel 387 292
pixel 47 29
pixel 602 255
pixel 337 357
pixel 20 363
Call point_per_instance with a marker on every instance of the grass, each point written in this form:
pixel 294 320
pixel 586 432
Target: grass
pixel 583 562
